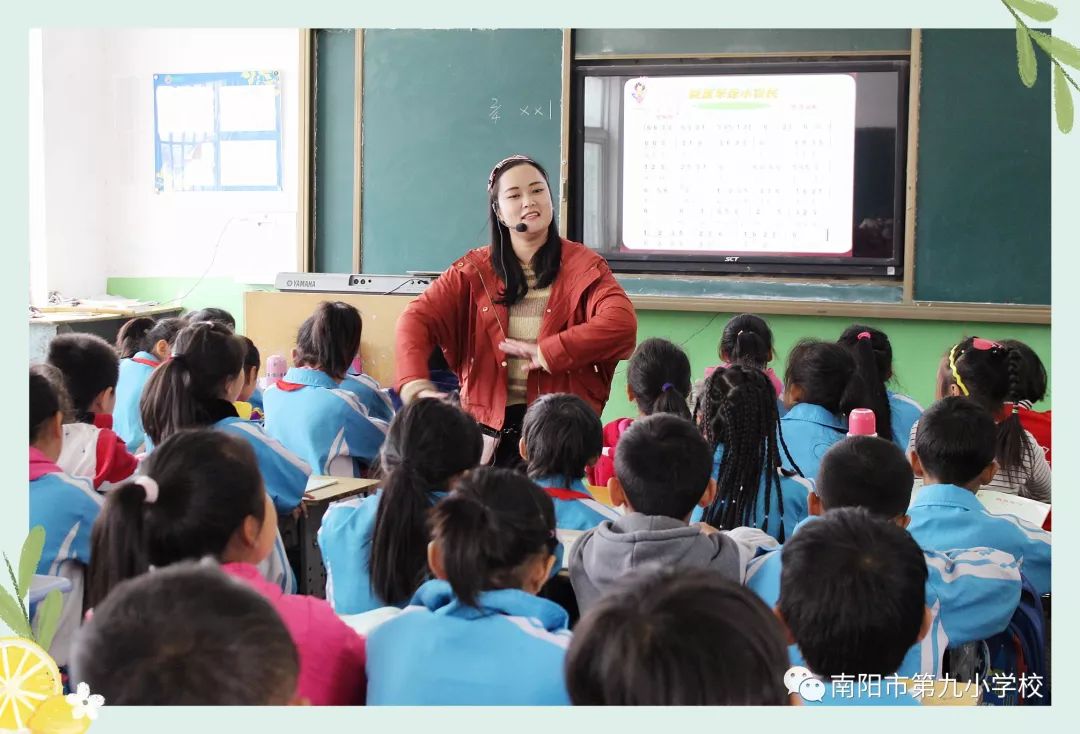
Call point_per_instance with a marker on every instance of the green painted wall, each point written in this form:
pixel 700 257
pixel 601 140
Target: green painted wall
pixel 917 346
pixel 223 293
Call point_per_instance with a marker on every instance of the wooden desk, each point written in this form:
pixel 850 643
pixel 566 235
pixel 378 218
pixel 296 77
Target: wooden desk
pixel 106 323
pixel 301 533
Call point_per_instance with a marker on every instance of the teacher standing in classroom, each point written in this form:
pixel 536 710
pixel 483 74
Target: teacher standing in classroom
pixel 530 314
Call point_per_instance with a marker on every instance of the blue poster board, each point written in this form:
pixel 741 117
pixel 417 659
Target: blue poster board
pixel 217 132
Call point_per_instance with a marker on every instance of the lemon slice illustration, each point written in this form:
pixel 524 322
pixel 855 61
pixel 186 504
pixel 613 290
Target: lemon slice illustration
pixel 56 716
pixel 28 676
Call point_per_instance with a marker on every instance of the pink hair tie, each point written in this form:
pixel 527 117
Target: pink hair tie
pixel 864 335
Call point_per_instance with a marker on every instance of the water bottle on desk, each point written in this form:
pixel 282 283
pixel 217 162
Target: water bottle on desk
pixel 862 422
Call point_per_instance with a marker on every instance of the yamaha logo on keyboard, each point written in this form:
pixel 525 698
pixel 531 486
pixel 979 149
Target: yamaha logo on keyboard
pixel 300 284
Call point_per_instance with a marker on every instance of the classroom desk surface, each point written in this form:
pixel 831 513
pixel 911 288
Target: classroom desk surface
pixel 339 488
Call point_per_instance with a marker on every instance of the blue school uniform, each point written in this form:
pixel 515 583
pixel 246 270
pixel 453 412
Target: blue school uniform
pixel 575 507
pixel 284 474
pixel 66 507
pixel 971 594
pixel 945 516
pixel 509 650
pixel 904 413
pixel 809 431
pixel 328 427
pixel 127 420
pixel 795 491
pixel 345 542
pixel 378 403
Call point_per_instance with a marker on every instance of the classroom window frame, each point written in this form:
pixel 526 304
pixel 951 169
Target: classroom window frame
pixel 889 269
pixel 215 81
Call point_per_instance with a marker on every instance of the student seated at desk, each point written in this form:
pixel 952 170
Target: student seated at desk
pixel 971 592
pixel 197 387
pixel 153 343
pixel 477 634
pixel 874 363
pixel 560 437
pixel 738 415
pixel 685 637
pixel 202 495
pixel 993 376
pixel 65 506
pixel 248 403
pixel 127 652
pixel 747 341
pixel 1030 390
pixel 657 381
pixel 852 594
pixel 375 548
pixel 90 371
pixel 821 388
pixel 662 471
pixel 211 313
pixel 311 412
pixel 954 455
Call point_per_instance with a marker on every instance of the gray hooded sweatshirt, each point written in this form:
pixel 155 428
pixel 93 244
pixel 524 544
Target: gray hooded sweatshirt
pixel 605 554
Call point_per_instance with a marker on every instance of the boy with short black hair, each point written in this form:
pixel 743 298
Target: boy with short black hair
pixel 852 594
pixel 91 368
pixel 663 469
pixel 954 454
pixel 678 638
pixel 560 437
pixel 971 592
pixel 187 635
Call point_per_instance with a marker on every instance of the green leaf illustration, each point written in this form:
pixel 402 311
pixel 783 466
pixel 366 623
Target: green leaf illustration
pixel 1061 50
pixel 12 615
pixel 49 617
pixel 1025 56
pixel 30 557
pixel 1034 9
pixel 1063 102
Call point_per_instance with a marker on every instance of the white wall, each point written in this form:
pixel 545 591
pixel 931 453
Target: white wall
pixel 74 176
pixel 104 217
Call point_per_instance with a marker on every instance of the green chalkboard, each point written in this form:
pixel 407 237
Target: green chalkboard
pixel 983 209
pixel 441 107
pixel 335 114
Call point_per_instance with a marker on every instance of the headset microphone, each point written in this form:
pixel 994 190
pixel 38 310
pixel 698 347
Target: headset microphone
pixel 521 227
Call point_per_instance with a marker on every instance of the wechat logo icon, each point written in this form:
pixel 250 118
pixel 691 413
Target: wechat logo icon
pixel 800 680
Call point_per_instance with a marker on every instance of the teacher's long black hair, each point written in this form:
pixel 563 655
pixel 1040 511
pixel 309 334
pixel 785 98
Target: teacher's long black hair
pixel 545 262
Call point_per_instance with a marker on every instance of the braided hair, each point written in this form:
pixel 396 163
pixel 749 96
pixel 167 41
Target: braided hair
pixel 993 375
pixel 738 411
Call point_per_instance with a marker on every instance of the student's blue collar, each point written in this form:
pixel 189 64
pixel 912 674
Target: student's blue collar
pixel 800 523
pixel 947 494
pixel 439 598
pixel 815 414
pixel 309 377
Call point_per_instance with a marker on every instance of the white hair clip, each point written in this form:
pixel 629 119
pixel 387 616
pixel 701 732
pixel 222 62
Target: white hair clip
pixel 150 487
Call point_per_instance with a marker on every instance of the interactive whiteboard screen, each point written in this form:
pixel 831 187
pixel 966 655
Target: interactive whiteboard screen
pixel 739 164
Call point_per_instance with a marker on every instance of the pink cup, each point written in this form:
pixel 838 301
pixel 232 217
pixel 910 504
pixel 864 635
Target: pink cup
pixel 862 422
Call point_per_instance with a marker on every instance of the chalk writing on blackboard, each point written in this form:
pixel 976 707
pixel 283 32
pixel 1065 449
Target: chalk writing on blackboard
pixel 495 107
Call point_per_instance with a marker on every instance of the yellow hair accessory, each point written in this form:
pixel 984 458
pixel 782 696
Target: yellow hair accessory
pixel 955 374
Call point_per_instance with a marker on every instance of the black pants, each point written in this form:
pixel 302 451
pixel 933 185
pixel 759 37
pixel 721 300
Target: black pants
pixel 507 454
